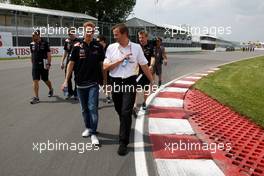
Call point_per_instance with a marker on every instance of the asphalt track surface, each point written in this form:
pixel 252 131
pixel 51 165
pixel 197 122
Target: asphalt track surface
pixel 24 126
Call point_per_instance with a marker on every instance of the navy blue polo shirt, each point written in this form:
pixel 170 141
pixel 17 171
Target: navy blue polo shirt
pixel 88 60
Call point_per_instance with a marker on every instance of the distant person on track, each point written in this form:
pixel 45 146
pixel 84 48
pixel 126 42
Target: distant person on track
pixel 102 40
pixel 87 56
pixel 160 58
pixel 41 63
pixel 142 79
pixel 68 46
pixel 122 60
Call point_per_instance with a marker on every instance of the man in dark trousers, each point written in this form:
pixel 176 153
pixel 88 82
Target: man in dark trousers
pixel 41 62
pixel 68 46
pixel 87 57
pixel 122 59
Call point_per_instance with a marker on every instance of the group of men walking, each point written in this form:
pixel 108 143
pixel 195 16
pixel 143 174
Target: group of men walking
pixel 93 62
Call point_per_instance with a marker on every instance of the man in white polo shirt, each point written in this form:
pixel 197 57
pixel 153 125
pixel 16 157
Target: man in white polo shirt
pixel 122 60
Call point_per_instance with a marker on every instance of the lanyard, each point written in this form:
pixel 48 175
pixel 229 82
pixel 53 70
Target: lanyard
pixel 130 49
pixel 119 48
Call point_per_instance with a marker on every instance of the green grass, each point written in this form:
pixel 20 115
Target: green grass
pixel 14 58
pixel 239 85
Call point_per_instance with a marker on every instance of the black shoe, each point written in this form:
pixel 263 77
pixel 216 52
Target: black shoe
pixel 122 150
pixel 75 97
pixel 159 83
pixel 51 92
pixel 144 107
pixel 68 97
pixel 34 100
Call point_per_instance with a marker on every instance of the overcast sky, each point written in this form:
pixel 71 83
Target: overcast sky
pixel 246 17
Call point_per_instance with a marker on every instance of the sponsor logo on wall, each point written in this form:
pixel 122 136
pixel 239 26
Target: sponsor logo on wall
pixel 9 52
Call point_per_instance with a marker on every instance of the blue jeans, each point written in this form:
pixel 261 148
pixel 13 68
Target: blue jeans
pixel 88 98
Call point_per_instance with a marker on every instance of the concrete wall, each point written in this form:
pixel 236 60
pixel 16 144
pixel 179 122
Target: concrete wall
pixel 192 49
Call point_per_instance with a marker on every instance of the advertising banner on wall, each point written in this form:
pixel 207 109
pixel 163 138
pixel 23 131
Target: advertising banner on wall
pixel 21 52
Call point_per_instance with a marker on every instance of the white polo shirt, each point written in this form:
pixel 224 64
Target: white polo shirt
pixel 115 52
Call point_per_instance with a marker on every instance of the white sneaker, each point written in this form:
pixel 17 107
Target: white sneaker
pixel 86 132
pixel 94 140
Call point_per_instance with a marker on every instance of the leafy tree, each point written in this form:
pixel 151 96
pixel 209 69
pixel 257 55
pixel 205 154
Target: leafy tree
pixel 112 11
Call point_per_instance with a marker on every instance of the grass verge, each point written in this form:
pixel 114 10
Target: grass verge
pixel 239 85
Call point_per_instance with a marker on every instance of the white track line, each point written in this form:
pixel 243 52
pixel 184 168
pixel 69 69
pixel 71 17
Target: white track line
pixel 184 82
pixel 201 74
pixel 210 71
pixel 193 77
pixel 140 158
pixel 170 126
pixel 187 167
pixel 215 69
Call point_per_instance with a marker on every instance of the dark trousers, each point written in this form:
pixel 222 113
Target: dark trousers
pixel 70 87
pixel 124 102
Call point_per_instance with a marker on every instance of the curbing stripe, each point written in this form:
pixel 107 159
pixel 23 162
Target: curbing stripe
pixel 171 146
pixel 175 89
pixel 174 113
pixel 193 77
pixel 187 167
pixel 167 102
pixel 170 126
pixel 210 71
pixel 171 95
pixel 201 74
pixel 184 82
pixel 178 85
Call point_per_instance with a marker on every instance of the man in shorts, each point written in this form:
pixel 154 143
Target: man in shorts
pixel 41 62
